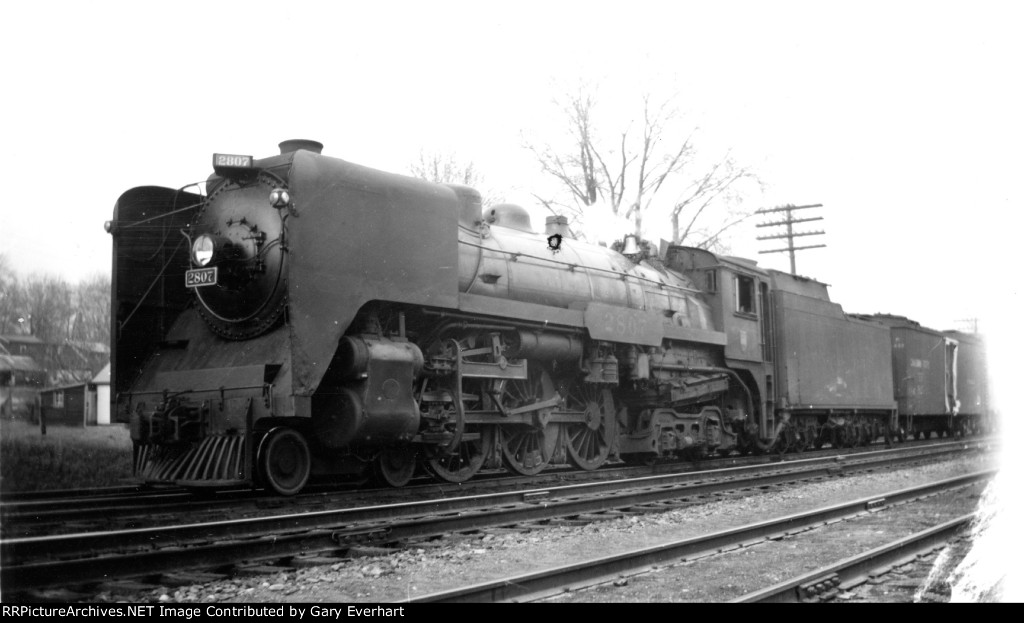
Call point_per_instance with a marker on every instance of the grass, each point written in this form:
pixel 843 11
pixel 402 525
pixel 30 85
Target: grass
pixel 65 458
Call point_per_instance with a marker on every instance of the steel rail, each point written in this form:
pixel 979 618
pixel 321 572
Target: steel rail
pixel 642 490
pixel 554 581
pixel 62 494
pixel 856 570
pixel 45 561
pixel 59 508
pixel 128 502
pixel 113 507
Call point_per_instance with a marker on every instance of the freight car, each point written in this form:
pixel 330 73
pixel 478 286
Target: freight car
pixel 924 370
pixel 939 379
pixel 971 384
pixel 303 315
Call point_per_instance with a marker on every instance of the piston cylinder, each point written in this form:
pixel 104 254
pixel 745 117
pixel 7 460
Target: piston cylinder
pixel 375 403
pixel 545 346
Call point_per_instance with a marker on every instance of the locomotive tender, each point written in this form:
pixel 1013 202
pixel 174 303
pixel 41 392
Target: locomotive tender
pixel 306 315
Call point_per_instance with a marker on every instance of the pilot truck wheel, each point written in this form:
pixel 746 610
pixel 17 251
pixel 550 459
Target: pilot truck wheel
pixel 284 461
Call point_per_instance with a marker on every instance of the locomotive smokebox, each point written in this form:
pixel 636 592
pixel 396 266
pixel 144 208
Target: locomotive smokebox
pixel 296 144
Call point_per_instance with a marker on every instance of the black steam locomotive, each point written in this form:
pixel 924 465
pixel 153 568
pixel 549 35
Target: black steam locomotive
pixel 305 315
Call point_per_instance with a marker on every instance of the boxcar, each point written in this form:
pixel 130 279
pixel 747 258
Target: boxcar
pixel 971 385
pixel 924 367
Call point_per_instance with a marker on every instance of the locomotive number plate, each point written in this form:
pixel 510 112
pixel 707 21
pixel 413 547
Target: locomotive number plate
pixel 201 277
pixel 620 324
pixel 232 160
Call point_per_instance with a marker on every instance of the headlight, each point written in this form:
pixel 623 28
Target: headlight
pixel 280 198
pixel 202 250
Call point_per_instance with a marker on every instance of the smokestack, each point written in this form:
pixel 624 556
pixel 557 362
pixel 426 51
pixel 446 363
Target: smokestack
pixel 556 225
pixel 296 144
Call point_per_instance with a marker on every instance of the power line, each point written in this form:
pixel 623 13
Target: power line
pixel 790 234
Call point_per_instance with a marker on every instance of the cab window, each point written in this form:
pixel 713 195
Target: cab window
pixel 743 290
pixel 711 281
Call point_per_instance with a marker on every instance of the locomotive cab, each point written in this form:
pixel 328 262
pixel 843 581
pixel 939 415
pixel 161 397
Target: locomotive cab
pixel 737 292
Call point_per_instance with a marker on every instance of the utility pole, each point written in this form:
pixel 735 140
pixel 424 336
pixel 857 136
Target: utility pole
pixel 790 234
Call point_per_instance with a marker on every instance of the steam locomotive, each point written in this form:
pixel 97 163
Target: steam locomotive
pixel 303 315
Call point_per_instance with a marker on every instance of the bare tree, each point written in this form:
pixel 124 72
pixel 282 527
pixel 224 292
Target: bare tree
pixel 91 318
pixel 72 321
pixel 47 300
pixel 715 191
pixel 648 164
pixel 10 297
pixel 576 168
pixel 446 168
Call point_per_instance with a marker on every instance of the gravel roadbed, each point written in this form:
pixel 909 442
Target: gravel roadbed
pixel 441 564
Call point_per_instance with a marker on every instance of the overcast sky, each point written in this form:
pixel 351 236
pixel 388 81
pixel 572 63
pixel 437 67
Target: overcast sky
pixel 902 118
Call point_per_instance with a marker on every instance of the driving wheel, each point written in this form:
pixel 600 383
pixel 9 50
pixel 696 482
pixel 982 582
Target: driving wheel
pixel 589 443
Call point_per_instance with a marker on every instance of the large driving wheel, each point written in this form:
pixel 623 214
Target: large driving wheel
pixel 527 448
pixel 589 443
pixel 284 461
pixel 466 460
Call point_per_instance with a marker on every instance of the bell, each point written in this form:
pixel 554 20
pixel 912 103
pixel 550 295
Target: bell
pixel 629 245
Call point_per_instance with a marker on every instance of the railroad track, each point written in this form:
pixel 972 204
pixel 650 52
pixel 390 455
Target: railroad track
pixel 813 586
pixel 37 562
pixel 35 514
pixel 827 582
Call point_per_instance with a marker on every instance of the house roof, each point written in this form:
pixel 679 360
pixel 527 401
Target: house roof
pixel 92 347
pixel 20 339
pixel 19 363
pixel 102 377
pixel 63 387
